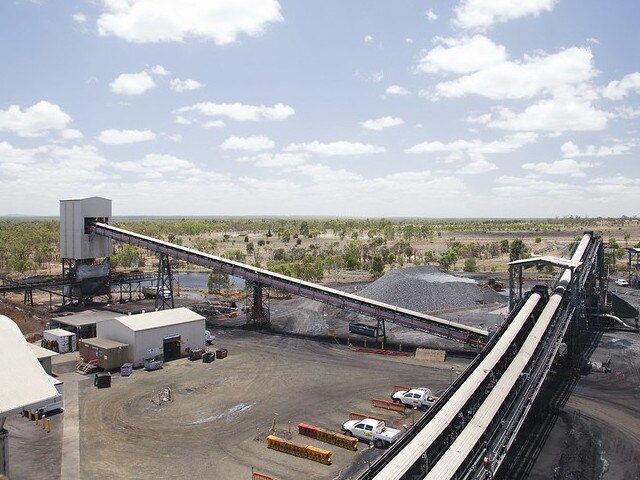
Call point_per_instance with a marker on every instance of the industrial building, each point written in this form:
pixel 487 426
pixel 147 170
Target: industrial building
pixel 44 356
pixel 104 353
pixel 83 324
pixel 170 333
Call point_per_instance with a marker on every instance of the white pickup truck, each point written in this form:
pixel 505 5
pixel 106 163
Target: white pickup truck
pixel 421 398
pixel 371 430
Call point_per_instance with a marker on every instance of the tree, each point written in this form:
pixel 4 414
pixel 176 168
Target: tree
pixel 217 282
pixel 304 228
pixel 518 250
pixel 352 255
pixel 286 236
pixel 504 246
pixel 377 266
pixel 448 259
pixel 470 265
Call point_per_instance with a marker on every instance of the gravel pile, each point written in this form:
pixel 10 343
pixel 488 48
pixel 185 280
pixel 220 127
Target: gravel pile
pixel 429 289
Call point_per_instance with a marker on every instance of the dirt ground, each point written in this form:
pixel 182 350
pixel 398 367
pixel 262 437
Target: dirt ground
pixel 209 430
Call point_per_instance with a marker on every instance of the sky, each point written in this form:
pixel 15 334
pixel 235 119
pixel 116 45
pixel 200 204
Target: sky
pixel 467 108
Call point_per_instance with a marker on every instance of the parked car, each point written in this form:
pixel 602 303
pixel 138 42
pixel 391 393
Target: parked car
pixel 371 430
pixel 421 398
pixel 622 282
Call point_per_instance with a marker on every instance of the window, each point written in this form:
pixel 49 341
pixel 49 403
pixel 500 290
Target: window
pixel 90 221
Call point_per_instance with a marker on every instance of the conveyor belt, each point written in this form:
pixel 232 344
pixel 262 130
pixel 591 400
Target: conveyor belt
pixel 418 321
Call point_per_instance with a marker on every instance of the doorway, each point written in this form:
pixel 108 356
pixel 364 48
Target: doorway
pixel 171 347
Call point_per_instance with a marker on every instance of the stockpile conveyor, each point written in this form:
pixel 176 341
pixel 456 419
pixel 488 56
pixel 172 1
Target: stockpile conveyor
pixel 439 327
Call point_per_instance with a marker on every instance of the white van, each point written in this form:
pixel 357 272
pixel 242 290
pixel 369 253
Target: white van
pixel 56 403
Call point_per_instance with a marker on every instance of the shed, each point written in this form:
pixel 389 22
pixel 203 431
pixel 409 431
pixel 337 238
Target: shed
pixel 59 340
pixel 23 382
pixel 170 333
pixel 82 323
pixel 44 356
pixel 105 353
pixel 76 217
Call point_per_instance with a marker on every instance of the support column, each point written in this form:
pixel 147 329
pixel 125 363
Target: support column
pixel 164 284
pixel 4 449
pixel 511 289
pixel 259 316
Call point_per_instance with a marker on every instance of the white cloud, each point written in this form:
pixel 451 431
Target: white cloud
pixel 132 83
pixel 532 187
pixel 618 89
pixel 475 149
pixel 571 150
pixel 628 113
pixel 71 134
pixel 397 90
pixel 222 21
pixel 155 164
pixel 368 39
pixel 254 143
pixel 535 75
pixel 565 166
pixel 178 85
pixel 477 167
pixel 340 148
pixel 377 77
pixel 463 55
pixel 159 70
pixel 181 120
pixel 34 121
pixel 214 124
pixel 240 112
pixel 176 137
pixel 79 18
pixel 409 40
pixel 431 15
pixel 124 137
pixel 274 160
pixel 484 13
pixel 593 40
pixel 556 115
pixel 380 124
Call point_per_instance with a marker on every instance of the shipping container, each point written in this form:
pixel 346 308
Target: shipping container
pixel 106 354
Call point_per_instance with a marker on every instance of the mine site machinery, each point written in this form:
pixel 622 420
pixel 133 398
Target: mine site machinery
pixel 260 278
pixel 469 431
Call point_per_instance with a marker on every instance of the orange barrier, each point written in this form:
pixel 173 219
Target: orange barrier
pixel 326 436
pixel 383 352
pixel 387 405
pixel 261 476
pixel 312 453
pixel 360 416
pixel 397 388
pixel 307 430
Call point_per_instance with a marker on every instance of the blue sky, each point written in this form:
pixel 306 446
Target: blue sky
pixel 473 108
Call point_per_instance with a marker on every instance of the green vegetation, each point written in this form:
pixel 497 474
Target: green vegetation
pixel 321 246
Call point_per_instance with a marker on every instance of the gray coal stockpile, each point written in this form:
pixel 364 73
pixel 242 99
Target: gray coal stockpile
pixel 429 289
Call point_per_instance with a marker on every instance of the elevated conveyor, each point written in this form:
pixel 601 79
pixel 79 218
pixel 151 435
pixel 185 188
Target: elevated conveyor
pixel 482 412
pixel 439 327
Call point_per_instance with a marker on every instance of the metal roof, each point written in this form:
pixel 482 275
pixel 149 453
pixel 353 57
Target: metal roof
pixel 58 332
pixel 41 352
pixel 547 260
pixel 88 317
pixel 23 381
pixel 161 318
pixel 104 343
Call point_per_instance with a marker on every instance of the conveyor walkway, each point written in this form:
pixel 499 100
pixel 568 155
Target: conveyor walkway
pixel 439 327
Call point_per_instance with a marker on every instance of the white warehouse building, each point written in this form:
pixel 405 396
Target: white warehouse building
pixel 171 333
